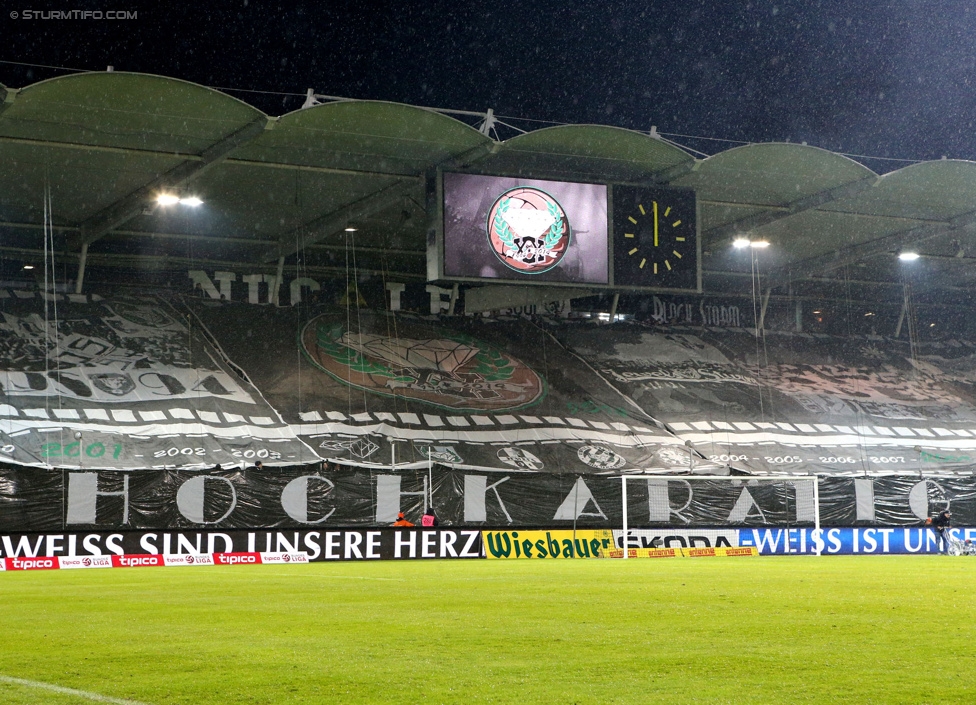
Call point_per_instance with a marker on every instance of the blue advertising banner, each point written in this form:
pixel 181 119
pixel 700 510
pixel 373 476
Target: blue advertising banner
pixel 834 541
pixel 848 540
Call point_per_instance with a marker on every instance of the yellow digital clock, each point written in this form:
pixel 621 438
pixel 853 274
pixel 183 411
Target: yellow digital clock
pixel 655 241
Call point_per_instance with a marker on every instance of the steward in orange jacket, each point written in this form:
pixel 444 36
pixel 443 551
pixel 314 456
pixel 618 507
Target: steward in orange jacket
pixel 401 521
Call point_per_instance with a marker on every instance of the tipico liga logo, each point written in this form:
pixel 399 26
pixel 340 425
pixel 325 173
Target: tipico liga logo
pixel 528 230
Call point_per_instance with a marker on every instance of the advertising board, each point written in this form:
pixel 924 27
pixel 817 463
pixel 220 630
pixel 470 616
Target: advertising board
pixel 847 541
pixel 141 549
pixel 548 544
pixel 144 549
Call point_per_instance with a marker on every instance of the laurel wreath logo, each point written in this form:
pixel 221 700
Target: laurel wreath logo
pixel 556 229
pixel 504 231
pixel 501 225
pixel 328 336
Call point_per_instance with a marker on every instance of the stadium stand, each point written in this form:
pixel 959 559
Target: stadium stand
pixel 286 306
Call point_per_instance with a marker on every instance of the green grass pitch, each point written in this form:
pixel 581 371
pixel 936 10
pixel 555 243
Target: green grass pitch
pixel 740 630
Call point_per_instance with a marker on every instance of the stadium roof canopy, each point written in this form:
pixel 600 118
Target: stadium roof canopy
pixel 107 143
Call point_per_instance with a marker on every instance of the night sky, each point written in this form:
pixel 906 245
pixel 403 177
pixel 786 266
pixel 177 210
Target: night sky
pixel 881 79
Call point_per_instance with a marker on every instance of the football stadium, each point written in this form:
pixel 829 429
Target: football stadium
pixel 370 402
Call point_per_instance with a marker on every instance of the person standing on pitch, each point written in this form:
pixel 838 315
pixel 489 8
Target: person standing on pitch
pixel 429 518
pixel 941 524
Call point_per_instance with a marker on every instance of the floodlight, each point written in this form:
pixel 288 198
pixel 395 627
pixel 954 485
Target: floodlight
pixel 351 229
pixel 739 243
pixel 167 199
pixel 908 256
pixel 28 266
pixel 191 201
pixel 759 244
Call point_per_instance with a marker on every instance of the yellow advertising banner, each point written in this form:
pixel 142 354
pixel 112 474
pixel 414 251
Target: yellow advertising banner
pixel 548 544
pixel 728 551
pixel 646 553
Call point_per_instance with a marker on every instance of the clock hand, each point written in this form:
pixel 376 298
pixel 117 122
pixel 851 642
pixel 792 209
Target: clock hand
pixel 655 223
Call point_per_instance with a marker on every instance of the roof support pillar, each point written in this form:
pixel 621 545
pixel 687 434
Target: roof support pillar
pixel 82 261
pixel 455 290
pixel 616 300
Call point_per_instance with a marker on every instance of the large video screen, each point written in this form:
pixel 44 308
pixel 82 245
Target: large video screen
pixel 525 230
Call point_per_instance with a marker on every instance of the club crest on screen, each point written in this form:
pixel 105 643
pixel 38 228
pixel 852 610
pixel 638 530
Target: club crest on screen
pixel 528 230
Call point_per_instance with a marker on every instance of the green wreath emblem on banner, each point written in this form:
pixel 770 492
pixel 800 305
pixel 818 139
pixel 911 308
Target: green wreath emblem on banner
pixel 443 367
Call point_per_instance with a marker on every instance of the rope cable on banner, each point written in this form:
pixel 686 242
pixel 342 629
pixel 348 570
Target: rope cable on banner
pixel 392 315
pixel 47 334
pixel 386 317
pixel 857 382
pixel 913 341
pixel 764 360
pixel 49 235
pixel 359 319
pixel 45 194
pixel 348 328
pixel 765 349
pixel 298 309
pixel 756 320
pixel 910 314
pixel 189 340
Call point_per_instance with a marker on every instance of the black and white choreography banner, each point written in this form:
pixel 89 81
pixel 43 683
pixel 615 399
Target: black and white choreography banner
pixel 141 382
pixel 376 390
pixel 304 497
pixel 126 383
pixel 147 383
pixel 795 402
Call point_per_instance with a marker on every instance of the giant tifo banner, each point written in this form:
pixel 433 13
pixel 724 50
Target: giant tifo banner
pixel 144 382
pixel 796 402
pixel 130 382
pixel 375 389
pixel 35 500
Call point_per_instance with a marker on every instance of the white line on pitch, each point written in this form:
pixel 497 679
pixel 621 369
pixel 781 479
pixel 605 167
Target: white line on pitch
pixel 68 691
